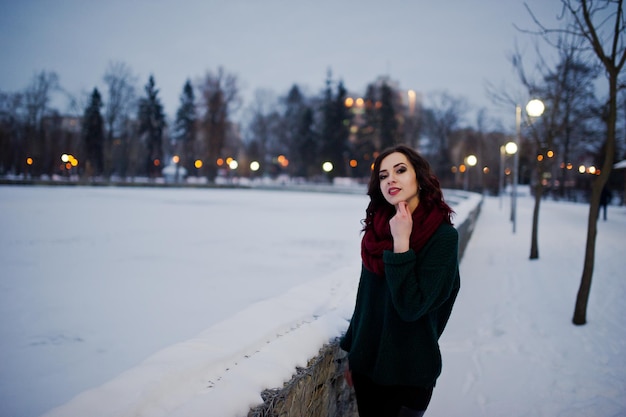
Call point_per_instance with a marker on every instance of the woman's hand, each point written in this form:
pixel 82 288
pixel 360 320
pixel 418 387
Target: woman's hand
pixel 401 225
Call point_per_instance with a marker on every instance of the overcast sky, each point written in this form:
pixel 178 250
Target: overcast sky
pixel 425 45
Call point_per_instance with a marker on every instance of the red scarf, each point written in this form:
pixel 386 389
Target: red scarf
pixel 378 239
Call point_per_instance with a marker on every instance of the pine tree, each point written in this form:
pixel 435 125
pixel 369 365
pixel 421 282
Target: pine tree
pixel 151 125
pixel 328 125
pixel 296 134
pixel 93 135
pixel 388 122
pixel 307 145
pixel 343 118
pixel 185 125
pixel 335 128
pixel 367 142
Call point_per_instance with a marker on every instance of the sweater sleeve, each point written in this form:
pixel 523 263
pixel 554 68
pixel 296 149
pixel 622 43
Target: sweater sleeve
pixel 418 288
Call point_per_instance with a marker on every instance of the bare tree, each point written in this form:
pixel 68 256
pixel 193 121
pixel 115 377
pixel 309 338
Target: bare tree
pixel 219 95
pixel 119 106
pixel 262 128
pixel 603 26
pixel 442 117
pixel 12 158
pixel 37 98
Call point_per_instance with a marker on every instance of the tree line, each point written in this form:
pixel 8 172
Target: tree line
pixel 120 133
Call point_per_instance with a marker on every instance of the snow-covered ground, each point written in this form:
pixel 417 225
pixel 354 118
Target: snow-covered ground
pixel 188 302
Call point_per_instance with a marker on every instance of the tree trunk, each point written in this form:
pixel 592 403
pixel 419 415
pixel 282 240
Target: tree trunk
pixel 580 311
pixel 534 245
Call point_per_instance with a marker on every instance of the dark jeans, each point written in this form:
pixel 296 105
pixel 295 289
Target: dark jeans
pixel 375 400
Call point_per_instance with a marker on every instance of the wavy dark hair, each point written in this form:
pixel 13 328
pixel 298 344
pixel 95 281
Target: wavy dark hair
pixel 430 193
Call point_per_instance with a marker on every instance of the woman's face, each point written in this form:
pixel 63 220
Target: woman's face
pixel 398 180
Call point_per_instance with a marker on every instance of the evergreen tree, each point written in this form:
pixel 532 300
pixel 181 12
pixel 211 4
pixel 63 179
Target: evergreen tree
pixel 367 138
pixel 328 125
pixel 306 148
pixel 343 118
pixel 185 125
pixel 93 135
pixel 295 133
pixel 294 105
pixel 335 128
pixel 388 122
pixel 151 124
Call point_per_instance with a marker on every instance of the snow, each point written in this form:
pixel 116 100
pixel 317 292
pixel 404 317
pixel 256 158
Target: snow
pixel 190 302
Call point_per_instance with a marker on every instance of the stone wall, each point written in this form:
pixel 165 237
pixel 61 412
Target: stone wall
pixel 320 389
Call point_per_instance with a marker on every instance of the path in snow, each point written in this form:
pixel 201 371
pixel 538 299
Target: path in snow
pixel 511 348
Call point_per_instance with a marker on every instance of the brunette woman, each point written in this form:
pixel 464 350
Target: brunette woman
pixel 408 284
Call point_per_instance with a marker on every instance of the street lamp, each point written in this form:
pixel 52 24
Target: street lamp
pixel 509 149
pixel 534 108
pixel 412 96
pixel 176 160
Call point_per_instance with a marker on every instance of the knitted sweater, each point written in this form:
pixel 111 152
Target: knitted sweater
pixel 398 319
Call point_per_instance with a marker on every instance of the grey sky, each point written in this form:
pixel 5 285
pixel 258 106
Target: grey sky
pixel 452 45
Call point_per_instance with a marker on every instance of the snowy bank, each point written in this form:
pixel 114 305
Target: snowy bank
pixel 225 368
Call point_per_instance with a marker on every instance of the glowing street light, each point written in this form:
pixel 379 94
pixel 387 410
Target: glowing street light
pixel 535 108
pixel 510 148
pixel 327 166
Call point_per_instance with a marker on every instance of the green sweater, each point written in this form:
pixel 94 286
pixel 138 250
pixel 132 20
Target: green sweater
pixel 398 319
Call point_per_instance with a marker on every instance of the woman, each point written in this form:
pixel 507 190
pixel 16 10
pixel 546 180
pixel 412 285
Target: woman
pixel 409 281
